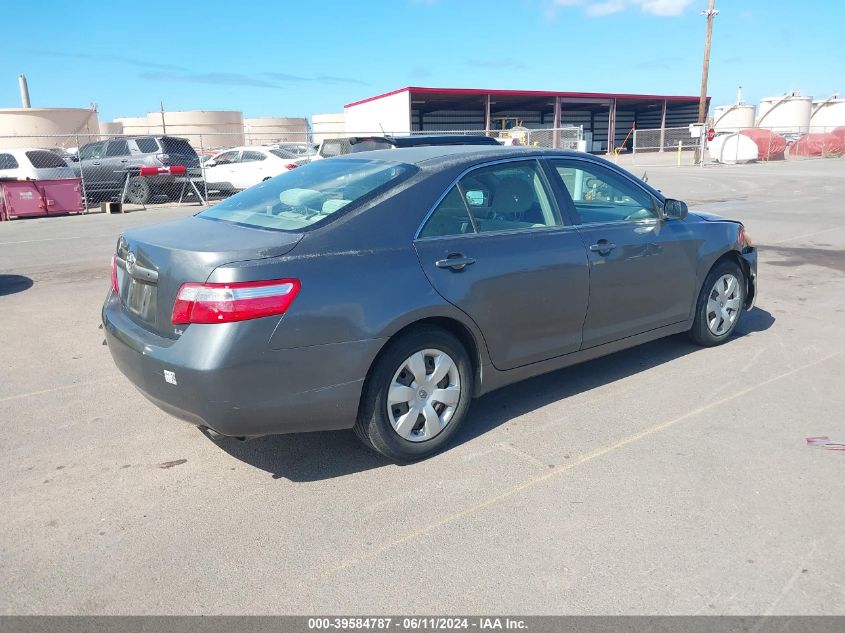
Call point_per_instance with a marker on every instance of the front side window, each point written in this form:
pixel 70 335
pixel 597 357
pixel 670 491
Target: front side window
pixel 93 150
pixel 7 161
pixel 307 195
pixel 226 158
pixel 510 196
pixel 599 195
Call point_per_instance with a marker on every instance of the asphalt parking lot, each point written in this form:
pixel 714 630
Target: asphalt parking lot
pixel 666 479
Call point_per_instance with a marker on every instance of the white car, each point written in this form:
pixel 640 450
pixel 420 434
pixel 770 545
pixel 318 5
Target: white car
pixel 243 167
pixel 30 163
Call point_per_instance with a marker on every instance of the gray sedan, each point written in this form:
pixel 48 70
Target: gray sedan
pixel 385 290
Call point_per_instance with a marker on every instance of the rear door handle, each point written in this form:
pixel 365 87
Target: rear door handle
pixel 455 261
pixel 602 247
pixel 96 162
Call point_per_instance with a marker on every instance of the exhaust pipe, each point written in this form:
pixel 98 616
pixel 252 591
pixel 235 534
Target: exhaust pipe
pixel 216 437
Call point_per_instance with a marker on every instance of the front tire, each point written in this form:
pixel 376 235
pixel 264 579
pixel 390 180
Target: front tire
pixel 720 304
pixel 417 395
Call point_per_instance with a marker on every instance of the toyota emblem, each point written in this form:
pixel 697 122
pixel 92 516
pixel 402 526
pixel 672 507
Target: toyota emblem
pixel 130 262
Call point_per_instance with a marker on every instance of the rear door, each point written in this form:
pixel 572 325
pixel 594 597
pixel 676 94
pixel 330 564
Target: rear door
pixel 115 163
pixel 495 246
pixel 642 267
pixel 91 166
pixel 251 169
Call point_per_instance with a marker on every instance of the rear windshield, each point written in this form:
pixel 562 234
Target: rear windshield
pixel 304 196
pixel 45 159
pixel 368 145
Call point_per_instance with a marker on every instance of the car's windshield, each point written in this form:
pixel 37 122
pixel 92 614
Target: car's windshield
pixel 303 196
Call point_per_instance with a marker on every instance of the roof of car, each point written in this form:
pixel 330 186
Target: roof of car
pixel 432 154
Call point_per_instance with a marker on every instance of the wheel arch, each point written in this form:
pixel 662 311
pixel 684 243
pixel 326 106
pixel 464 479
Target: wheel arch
pixel 459 330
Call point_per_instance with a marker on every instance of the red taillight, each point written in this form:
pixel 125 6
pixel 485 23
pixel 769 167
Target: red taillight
pixel 291 165
pixel 114 274
pixel 222 303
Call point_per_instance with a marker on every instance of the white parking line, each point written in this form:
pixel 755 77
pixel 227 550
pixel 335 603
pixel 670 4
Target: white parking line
pixel 45 239
pixel 52 389
pixel 599 452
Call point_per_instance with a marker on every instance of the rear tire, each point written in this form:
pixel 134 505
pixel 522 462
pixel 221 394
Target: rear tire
pixel 720 304
pixel 417 395
pixel 139 190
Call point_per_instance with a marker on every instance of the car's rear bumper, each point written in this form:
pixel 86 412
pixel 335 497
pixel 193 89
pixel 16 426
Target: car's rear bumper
pixel 749 258
pixel 313 388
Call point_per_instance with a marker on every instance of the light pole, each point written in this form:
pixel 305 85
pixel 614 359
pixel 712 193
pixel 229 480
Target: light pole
pixel 702 103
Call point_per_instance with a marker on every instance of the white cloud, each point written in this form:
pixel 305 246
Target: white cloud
pixel 598 8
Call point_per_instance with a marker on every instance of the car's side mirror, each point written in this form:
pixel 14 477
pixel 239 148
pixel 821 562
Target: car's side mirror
pixel 675 209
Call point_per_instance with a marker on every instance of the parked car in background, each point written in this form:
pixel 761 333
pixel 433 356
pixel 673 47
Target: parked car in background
pixel 242 167
pixel 297 149
pixel 30 163
pixel 104 166
pixel 353 144
pixel 384 291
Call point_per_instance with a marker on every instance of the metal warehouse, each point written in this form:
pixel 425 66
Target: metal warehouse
pixel 602 115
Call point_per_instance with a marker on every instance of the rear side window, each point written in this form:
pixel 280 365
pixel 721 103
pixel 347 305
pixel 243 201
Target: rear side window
pixel 368 145
pixel 177 146
pixel 45 160
pixel 449 218
pixel 7 161
pixel 334 148
pixel 147 145
pixel 507 197
pixel 307 195
pixel 247 157
pixel 117 148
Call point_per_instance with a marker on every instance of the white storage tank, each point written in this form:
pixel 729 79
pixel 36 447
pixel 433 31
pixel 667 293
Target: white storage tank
pixel 263 130
pixel 789 113
pixel 828 114
pixel 737 116
pixel 39 127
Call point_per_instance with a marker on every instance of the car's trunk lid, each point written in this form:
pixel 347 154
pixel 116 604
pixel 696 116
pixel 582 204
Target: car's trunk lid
pixel 153 262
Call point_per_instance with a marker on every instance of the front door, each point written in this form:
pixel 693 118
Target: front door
pixel 642 267
pixel 496 248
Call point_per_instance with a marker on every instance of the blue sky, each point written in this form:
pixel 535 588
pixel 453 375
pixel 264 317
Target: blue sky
pixel 288 58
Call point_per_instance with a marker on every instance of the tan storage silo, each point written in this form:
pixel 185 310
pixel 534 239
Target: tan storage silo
pixel 205 129
pixel 136 125
pixel 263 130
pixel 325 126
pixel 789 113
pixel 828 114
pixel 730 118
pixel 40 127
pixel 110 128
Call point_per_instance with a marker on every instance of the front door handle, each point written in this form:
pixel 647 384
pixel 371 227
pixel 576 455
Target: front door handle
pixel 455 261
pixel 602 247
pixel 96 162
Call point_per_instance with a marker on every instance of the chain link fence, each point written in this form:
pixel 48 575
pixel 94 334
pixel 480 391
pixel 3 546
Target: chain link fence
pixel 734 146
pixel 85 171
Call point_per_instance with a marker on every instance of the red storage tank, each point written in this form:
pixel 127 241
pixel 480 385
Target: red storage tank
pixel 818 144
pixel 770 145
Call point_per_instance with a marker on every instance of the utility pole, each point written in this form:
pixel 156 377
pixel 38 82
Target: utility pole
pixel 164 127
pixel 705 69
